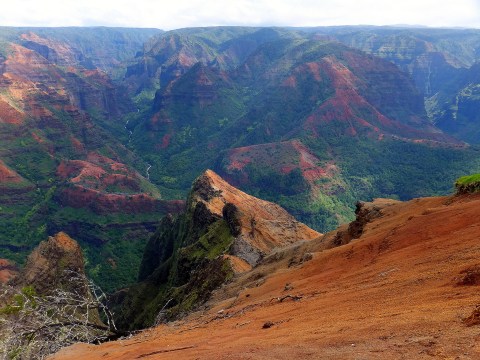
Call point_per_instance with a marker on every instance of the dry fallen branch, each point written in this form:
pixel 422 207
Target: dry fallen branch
pixel 33 326
pixel 283 298
pixel 165 351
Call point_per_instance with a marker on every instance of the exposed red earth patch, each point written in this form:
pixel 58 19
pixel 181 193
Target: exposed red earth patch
pixel 8 176
pixel 99 172
pixel 309 164
pixel 104 203
pixel 347 106
pixel 264 225
pixel 77 144
pixel 391 294
pixel 282 157
pixel 165 141
pixel 7 271
pixel 10 115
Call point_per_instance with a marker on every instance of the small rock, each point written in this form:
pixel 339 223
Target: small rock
pixel 260 282
pixel 307 257
pixel 268 325
pixel 288 286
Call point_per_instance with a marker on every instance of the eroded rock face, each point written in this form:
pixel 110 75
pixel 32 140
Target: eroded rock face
pixel 257 225
pixel 52 265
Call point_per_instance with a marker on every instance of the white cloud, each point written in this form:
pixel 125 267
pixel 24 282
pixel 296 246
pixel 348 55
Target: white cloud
pixel 185 13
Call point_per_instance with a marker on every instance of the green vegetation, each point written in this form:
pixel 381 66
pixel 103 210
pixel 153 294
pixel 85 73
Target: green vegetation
pixel 468 184
pixel 182 264
pixel 18 301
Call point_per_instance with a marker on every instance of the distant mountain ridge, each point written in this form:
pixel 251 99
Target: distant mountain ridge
pixel 442 62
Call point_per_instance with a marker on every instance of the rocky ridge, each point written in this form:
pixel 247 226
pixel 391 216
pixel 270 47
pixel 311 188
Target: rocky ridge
pixel 257 225
pixel 223 232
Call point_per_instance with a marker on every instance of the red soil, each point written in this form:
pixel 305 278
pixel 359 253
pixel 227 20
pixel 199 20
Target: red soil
pixel 102 203
pixel 284 157
pixel 10 115
pixel 8 175
pixel 348 106
pixel 392 294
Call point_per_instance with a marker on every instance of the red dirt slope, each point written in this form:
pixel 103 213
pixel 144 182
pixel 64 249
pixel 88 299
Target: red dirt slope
pixel 400 291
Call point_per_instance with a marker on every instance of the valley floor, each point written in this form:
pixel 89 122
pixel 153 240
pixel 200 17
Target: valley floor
pixel 400 291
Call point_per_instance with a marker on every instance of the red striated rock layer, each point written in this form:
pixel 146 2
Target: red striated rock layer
pixel 104 203
pixel 8 114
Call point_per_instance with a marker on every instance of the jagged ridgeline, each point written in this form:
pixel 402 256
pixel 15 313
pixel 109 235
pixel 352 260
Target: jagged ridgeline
pixel 223 231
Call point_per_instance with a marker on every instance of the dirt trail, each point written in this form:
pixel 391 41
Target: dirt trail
pixel 398 292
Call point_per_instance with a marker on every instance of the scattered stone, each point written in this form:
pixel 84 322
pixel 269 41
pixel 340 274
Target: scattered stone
pixel 469 276
pixel 306 257
pixel 288 286
pixel 474 318
pixel 260 282
pixel 268 325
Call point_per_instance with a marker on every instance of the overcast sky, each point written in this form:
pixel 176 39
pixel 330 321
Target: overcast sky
pixel 175 14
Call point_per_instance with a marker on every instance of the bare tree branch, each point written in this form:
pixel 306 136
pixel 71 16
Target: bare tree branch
pixel 33 326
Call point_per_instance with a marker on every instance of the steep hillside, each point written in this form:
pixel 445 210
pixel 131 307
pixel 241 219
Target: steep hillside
pixel 222 232
pixel 431 56
pixel 442 62
pixel 455 108
pixel 400 290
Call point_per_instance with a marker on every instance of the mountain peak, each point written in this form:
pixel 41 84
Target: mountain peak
pixel 260 225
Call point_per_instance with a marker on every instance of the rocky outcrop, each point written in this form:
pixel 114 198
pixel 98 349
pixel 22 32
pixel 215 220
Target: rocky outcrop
pixel 395 285
pixel 365 212
pixel 223 231
pixel 52 265
pixel 257 225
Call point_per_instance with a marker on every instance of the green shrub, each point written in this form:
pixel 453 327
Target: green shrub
pixel 468 184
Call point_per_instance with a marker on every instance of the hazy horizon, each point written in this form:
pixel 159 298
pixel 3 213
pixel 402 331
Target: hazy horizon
pixel 263 13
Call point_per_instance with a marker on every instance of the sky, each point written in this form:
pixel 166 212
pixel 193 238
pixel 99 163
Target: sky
pixel 168 14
